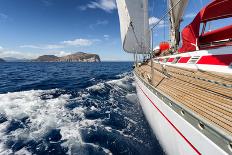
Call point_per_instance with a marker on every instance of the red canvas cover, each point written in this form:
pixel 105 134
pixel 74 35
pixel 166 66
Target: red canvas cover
pixel 219 34
pixel 217 9
pixel 190 35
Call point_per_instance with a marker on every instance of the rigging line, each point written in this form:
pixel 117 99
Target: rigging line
pixel 166 14
pixel 164 28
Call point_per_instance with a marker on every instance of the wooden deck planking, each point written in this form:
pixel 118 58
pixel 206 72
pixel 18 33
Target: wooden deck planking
pixel 206 85
pixel 226 78
pixel 216 119
pixel 209 100
pixel 204 103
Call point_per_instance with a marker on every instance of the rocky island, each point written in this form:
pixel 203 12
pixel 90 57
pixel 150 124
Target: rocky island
pixel 1 60
pixel 76 57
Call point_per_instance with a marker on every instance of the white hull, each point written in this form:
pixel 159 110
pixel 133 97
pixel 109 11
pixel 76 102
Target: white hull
pixel 175 134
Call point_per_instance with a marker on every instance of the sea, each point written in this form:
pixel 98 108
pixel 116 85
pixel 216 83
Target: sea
pixel 72 108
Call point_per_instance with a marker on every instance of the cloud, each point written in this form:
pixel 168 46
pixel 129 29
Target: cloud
pixel 78 42
pixel 154 20
pixel 47 2
pixel 190 15
pixel 99 23
pixel 53 46
pixel 102 22
pixel 106 5
pixel 58 53
pixel 63 44
pixel 51 49
pixel 29 55
pixel 42 46
pixel 17 54
pixel 106 37
pixel 3 17
pixel 29 46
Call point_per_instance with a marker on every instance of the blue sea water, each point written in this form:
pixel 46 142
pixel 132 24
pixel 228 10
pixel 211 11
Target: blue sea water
pixel 72 108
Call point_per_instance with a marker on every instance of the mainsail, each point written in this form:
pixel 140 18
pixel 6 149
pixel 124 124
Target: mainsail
pixel 134 25
pixel 176 13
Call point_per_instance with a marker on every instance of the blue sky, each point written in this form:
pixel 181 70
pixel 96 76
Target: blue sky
pixel 29 28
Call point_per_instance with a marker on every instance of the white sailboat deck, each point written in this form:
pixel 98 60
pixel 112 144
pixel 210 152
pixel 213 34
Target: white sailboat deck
pixel 207 94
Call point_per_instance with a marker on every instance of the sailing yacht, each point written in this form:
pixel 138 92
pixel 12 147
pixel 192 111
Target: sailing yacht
pixel 185 91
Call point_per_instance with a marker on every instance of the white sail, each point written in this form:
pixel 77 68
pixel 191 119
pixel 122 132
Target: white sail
pixel 175 18
pixel 134 25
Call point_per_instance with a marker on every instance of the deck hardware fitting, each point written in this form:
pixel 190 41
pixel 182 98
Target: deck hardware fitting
pixel 182 112
pixel 201 125
pixel 230 146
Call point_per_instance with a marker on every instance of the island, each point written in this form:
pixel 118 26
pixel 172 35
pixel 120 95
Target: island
pixel 76 57
pixel 1 60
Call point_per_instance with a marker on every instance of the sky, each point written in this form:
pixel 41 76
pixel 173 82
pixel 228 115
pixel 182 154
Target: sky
pixel 30 28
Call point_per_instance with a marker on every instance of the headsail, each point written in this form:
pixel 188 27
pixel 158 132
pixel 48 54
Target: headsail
pixel 134 25
pixel 175 18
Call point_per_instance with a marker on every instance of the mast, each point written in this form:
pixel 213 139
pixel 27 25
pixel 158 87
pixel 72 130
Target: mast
pixel 175 19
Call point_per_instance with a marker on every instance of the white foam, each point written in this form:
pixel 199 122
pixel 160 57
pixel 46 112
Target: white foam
pixel 5 151
pixel 107 151
pixel 44 115
pixel 96 87
pixel 125 74
pixel 130 120
pixel 23 151
pixel 121 83
pixel 132 98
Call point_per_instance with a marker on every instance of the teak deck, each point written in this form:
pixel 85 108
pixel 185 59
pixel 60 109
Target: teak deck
pixel 207 94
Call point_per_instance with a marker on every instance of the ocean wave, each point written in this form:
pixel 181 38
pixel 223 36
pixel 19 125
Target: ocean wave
pixel 101 119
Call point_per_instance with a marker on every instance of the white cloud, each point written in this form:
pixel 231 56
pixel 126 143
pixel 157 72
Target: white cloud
pixel 154 20
pixel 106 5
pixel 29 55
pixel 51 49
pixel 16 54
pixel 78 42
pixel 3 17
pixel 102 22
pixel 53 46
pixel 63 44
pixel 58 53
pixel 44 47
pixel 29 46
pixel 106 37
pixel 99 22
pixel 190 15
pixel 47 2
